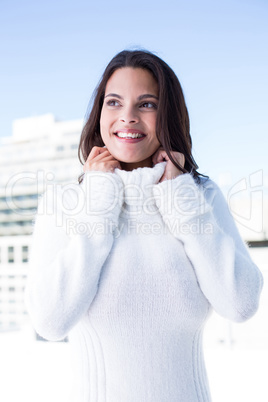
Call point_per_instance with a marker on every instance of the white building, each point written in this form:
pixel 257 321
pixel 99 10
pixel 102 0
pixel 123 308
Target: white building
pixel 40 151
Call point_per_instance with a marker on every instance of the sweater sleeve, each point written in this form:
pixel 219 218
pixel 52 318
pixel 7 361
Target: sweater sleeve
pixel 199 217
pixel 72 238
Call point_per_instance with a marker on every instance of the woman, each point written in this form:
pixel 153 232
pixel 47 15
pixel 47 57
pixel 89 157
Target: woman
pixel 130 262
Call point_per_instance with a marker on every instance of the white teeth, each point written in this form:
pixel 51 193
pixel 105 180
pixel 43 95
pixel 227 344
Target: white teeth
pixel 129 135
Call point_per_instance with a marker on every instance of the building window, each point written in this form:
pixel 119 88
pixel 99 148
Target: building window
pixel 10 254
pixel 258 243
pixel 60 148
pixel 25 253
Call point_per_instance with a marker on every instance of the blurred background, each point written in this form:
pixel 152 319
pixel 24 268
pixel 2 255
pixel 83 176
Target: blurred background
pixel 52 57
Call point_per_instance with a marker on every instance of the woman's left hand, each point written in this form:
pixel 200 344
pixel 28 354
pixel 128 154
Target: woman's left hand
pixel 171 171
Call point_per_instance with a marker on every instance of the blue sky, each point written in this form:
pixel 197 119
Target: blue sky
pixel 54 52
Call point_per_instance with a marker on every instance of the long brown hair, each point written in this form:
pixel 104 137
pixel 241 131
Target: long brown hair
pixel 172 122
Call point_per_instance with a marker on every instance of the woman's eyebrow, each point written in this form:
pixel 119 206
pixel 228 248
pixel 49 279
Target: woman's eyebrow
pixel 146 96
pixel 114 96
pixel 141 97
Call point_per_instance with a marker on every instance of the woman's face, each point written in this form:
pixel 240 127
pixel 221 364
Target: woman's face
pixel 128 117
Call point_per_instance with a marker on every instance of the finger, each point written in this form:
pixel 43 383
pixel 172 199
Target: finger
pixel 154 156
pixel 160 156
pixel 102 162
pixel 105 166
pixel 115 165
pixel 96 151
pixel 182 162
pixel 91 159
pixel 102 155
pixel 179 158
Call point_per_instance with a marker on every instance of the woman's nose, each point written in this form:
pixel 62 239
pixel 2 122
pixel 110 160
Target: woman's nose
pixel 128 116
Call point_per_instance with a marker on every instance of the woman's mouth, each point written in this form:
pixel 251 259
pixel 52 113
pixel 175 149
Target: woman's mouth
pixel 130 137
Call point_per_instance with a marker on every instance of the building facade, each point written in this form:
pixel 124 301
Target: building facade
pixel 40 151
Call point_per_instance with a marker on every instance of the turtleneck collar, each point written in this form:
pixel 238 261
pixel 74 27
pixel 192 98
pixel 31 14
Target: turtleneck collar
pixel 138 187
pixel 143 175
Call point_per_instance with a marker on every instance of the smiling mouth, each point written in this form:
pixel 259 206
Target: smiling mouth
pixel 129 135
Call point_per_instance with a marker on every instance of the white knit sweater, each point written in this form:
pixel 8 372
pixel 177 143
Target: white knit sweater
pixel 129 268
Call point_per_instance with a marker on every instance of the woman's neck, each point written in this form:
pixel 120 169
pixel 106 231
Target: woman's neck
pixel 130 166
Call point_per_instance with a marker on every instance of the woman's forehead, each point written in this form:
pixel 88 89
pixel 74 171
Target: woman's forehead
pixel 132 79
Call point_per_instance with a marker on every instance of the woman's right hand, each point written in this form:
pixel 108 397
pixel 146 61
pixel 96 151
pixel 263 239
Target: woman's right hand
pixel 100 159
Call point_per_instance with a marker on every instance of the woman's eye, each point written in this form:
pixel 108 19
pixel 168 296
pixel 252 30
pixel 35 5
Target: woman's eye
pixel 149 105
pixel 112 102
